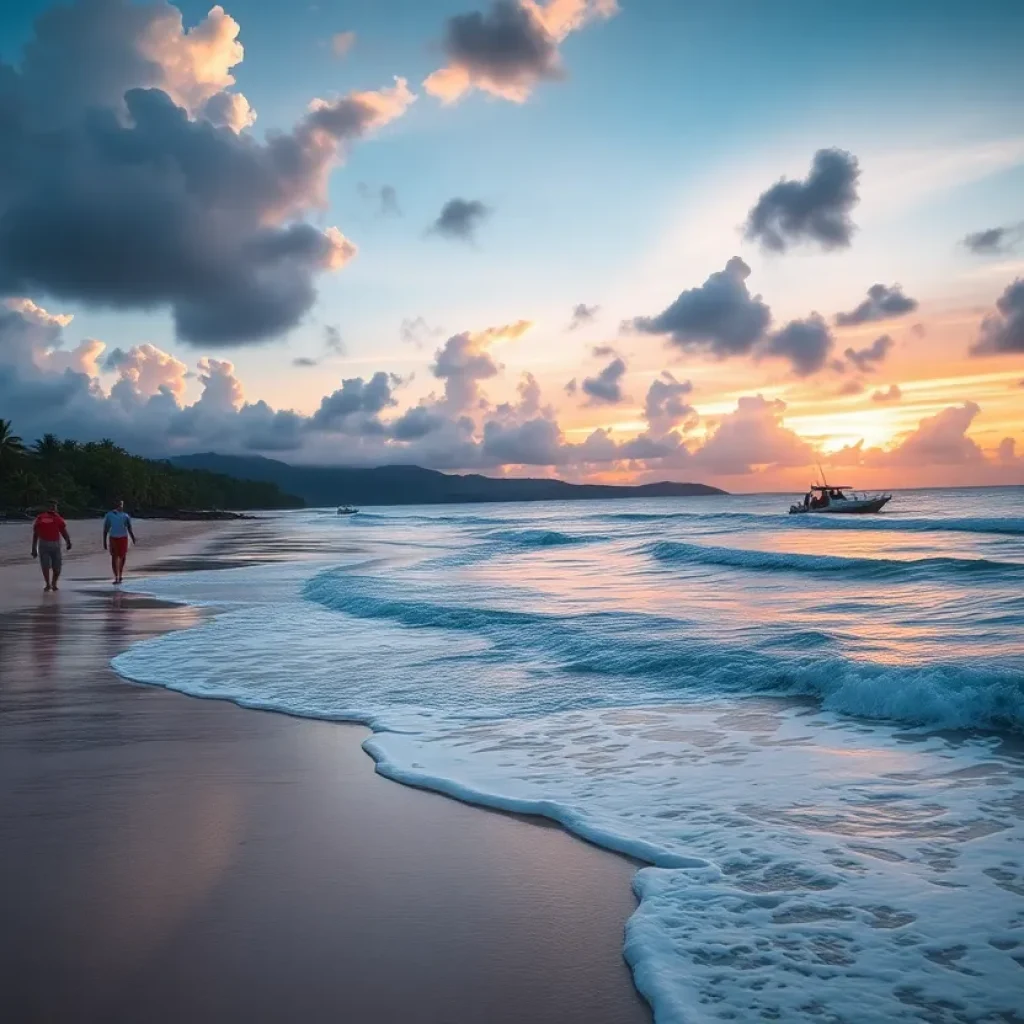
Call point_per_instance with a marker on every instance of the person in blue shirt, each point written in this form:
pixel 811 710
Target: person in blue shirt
pixel 117 526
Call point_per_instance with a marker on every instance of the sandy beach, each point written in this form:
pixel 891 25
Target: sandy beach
pixel 169 859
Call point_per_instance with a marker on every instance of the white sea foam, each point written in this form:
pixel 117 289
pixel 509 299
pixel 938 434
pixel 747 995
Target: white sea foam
pixel 809 866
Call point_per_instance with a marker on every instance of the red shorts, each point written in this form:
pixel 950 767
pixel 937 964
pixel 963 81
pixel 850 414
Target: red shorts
pixel 118 547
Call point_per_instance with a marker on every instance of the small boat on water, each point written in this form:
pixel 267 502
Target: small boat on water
pixel 347 510
pixel 832 499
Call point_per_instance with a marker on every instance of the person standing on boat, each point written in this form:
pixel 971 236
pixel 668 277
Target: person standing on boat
pixel 117 526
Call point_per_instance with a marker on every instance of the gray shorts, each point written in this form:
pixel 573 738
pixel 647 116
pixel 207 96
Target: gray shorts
pixel 51 554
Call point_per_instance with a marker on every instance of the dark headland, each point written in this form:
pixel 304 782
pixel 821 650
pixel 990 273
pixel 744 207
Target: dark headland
pixel 413 485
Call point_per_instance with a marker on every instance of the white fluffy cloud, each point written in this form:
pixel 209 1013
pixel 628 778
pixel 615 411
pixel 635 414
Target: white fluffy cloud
pixel 139 397
pixel 751 437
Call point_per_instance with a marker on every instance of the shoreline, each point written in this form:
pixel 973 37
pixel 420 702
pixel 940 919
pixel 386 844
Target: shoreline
pixel 146 837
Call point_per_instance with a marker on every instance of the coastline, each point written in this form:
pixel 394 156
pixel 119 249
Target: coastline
pixel 147 838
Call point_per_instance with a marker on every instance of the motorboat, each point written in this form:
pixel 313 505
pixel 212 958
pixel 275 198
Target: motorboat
pixel 347 510
pixel 834 499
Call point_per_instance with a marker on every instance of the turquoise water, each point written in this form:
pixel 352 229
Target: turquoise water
pixel 809 726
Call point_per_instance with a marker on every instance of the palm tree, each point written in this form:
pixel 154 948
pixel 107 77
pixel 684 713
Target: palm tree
pixel 48 446
pixel 26 488
pixel 12 448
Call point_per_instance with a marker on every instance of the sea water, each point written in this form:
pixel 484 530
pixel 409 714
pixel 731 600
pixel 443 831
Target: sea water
pixel 812 728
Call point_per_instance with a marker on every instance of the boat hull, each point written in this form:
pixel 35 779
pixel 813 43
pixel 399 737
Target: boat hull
pixel 848 508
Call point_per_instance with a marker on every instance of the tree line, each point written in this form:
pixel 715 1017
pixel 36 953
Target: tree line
pixel 87 478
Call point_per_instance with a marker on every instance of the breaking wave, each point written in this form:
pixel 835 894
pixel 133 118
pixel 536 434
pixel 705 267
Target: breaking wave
pixel 674 552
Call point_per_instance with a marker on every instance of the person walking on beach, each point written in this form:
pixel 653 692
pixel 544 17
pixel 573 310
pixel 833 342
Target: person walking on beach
pixel 117 526
pixel 47 531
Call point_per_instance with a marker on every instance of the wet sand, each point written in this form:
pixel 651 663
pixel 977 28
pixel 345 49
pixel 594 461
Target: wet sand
pixel 169 859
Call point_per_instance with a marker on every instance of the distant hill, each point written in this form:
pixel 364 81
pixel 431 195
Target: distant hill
pixel 413 485
pixel 87 478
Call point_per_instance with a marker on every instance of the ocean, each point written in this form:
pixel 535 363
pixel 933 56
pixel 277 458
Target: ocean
pixel 811 728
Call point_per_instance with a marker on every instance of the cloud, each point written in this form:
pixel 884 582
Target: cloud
pixel 868 359
pixel 415 423
pixel 145 409
pixel 333 341
pixel 32 338
pixel 582 315
pixel 333 345
pixel 1002 332
pixel 606 387
pixel 753 436
pixel 939 440
pixel 509 49
pixel 666 406
pixel 342 43
pixel 851 387
pixel 90 54
pixel 995 240
pixel 537 442
pixel 882 303
pixel 130 184
pixel 459 219
pixel 892 394
pixel 416 331
pixel 465 359
pixel 720 317
pixel 354 397
pixel 602 351
pixel 384 198
pixel 147 370
pixel 805 343
pixel 816 209
pixel 572 387
pixel 1006 453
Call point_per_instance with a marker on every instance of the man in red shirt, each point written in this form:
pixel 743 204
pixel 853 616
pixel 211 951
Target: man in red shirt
pixel 46 534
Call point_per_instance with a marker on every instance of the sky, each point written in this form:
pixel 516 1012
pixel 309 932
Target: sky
pixel 616 241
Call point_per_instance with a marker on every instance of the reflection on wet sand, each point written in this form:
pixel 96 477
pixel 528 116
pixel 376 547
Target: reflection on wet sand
pixel 168 859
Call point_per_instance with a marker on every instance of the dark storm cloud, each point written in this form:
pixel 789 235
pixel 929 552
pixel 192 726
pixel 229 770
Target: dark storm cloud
pixel 805 343
pixel 870 358
pixel 995 240
pixel 1002 332
pixel 582 314
pixel 882 303
pixel 720 317
pixel 459 219
pixel 606 387
pixel 816 209
pixel 117 196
